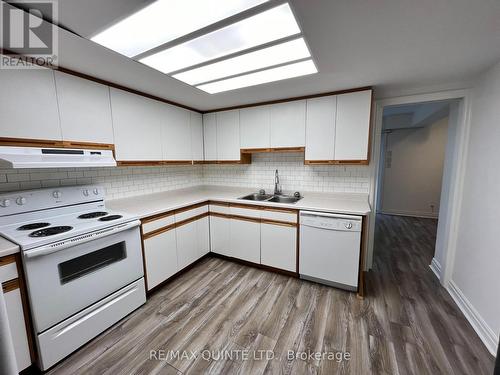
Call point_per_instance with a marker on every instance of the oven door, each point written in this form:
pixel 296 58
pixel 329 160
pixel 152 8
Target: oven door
pixel 68 276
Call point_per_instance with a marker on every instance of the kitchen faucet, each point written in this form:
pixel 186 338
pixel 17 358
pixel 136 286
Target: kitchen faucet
pixel 277 186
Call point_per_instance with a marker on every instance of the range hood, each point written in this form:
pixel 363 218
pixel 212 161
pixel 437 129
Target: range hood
pixel 35 157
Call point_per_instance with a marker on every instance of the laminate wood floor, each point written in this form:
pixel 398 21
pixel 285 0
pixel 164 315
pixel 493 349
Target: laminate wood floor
pixel 407 324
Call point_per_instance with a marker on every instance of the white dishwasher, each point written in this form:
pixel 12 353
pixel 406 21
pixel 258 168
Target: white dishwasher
pixel 330 245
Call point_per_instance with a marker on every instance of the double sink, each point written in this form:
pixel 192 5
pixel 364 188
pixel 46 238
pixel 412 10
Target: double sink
pixel 289 199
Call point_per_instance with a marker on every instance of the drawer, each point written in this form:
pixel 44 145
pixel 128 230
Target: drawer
pixel 219 209
pixel 289 217
pixel 184 215
pixel 8 269
pixel 158 223
pixel 248 212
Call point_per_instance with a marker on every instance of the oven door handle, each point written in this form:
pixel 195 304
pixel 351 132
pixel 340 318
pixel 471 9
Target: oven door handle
pixel 61 245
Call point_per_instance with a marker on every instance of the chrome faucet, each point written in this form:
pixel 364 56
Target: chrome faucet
pixel 277 186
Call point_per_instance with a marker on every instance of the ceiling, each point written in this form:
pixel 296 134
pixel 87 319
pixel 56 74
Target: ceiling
pixel 395 45
pixel 415 115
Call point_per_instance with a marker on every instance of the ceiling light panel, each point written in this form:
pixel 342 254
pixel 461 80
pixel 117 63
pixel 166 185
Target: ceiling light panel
pixel 166 20
pixel 273 24
pixel 263 58
pixel 270 75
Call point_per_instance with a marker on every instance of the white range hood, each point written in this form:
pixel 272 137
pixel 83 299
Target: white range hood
pixel 35 157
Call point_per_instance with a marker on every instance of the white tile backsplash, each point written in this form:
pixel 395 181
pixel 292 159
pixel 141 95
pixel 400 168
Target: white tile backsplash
pixel 130 181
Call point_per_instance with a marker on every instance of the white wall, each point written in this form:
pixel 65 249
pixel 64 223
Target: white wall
pixel 413 175
pixel 476 268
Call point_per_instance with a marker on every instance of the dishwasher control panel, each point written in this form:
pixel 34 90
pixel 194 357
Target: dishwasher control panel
pixel 331 222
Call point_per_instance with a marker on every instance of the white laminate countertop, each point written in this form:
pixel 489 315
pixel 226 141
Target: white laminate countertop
pixel 7 247
pixel 156 203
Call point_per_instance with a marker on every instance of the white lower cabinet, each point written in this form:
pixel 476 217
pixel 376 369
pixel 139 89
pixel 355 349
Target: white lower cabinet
pixel 219 235
pixel 160 253
pixel 245 240
pixel 203 233
pixel 187 244
pixel 279 246
pixel 17 326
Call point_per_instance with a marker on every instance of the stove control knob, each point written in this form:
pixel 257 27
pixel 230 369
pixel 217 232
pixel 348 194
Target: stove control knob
pixel 20 201
pixel 5 203
pixel 86 192
pixel 56 194
pixel 96 191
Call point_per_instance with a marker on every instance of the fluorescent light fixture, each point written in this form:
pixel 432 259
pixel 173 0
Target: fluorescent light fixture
pixel 166 20
pixel 270 75
pixel 263 58
pixel 268 26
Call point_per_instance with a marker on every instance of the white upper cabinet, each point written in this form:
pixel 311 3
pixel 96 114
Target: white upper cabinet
pixel 353 125
pixel 196 123
pixel 210 136
pixel 176 133
pixel 320 128
pixel 137 125
pixel 28 104
pixel 288 124
pixel 84 109
pixel 228 135
pixel 255 130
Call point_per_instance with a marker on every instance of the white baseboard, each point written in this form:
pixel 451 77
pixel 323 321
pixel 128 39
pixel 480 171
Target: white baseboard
pixel 435 266
pixel 485 333
pixel 425 215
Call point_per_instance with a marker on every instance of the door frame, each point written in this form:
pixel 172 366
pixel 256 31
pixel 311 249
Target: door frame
pixel 448 230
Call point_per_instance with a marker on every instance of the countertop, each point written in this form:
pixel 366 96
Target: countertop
pixel 7 247
pixel 156 203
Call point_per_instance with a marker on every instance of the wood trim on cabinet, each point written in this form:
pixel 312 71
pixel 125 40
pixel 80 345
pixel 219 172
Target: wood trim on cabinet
pixel 272 150
pixel 25 142
pixel 191 207
pixel 218 214
pixel 158 231
pixel 245 218
pixel 10 285
pixel 336 162
pixel 219 203
pixel 247 206
pixel 7 260
pixel 191 219
pixel 279 222
pixel 149 219
pixel 279 209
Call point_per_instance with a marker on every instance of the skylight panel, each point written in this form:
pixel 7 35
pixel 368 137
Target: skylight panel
pixel 270 75
pixel 273 24
pixel 166 20
pixel 263 58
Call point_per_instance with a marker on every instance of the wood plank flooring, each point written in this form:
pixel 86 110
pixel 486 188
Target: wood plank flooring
pixel 407 324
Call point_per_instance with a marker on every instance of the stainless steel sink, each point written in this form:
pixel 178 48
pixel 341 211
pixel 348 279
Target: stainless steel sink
pixel 271 198
pixel 257 197
pixel 284 199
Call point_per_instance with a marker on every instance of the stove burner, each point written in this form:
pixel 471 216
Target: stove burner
pixel 33 226
pixel 92 215
pixel 50 231
pixel 110 217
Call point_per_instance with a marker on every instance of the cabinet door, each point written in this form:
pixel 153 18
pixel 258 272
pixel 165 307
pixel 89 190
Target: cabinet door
pixel 210 136
pixel 137 126
pixel 255 129
pixel 203 232
pixel 176 133
pixel 320 128
pixel 187 244
pixel 35 114
pixel 219 235
pixel 160 255
pixel 352 131
pixel 17 326
pixel 279 246
pixel 288 124
pixel 84 109
pixel 245 240
pixel 196 136
pixel 228 135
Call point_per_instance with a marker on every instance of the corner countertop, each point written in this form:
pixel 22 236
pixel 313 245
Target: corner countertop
pixel 156 203
pixel 7 247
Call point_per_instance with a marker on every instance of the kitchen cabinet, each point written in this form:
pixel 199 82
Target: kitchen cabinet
pixel 84 109
pixel 320 128
pixel 245 239
pixel 228 135
pixel 352 130
pixel 288 124
pixel 137 125
pixel 203 236
pixel 160 256
pixel 196 124
pixel 219 235
pixel 279 246
pixel 187 244
pixel 28 104
pixel 255 127
pixel 210 136
pixel 176 134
